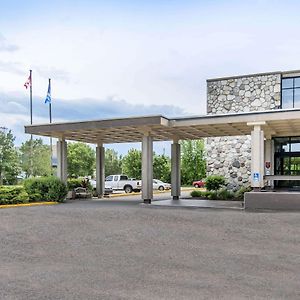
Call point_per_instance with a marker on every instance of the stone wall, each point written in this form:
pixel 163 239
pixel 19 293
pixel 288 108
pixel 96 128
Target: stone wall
pixel 231 156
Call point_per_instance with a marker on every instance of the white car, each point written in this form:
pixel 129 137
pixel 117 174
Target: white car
pixel 161 186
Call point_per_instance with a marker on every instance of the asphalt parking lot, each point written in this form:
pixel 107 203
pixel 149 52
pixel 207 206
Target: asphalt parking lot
pixel 121 250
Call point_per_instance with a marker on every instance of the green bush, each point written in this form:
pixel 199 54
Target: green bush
pixel 225 194
pixel 74 183
pixel 214 195
pixel 45 189
pixel 13 195
pixel 215 182
pixel 206 194
pixel 239 194
pixel 196 194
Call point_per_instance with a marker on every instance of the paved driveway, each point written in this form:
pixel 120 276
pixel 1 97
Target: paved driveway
pixel 121 250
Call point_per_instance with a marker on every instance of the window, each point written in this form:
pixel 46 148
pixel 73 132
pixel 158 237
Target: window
pixel 290 92
pixel 109 178
pixel 287 144
pixel 123 177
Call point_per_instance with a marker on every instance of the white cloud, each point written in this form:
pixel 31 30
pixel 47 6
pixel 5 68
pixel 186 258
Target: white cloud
pixel 15 114
pixel 149 58
pixel 5 46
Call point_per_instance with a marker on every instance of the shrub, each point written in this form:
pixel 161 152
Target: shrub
pixel 45 189
pixel 13 195
pixel 212 195
pixel 74 183
pixel 225 194
pixel 239 194
pixel 196 194
pixel 206 194
pixel 215 182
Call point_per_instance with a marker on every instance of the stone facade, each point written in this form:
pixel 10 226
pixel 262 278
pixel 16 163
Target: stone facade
pixel 231 156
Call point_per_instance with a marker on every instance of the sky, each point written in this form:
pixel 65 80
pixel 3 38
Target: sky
pixel 125 58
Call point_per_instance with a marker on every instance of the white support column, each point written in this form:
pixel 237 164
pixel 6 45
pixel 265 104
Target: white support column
pixel 257 156
pixel 100 163
pixel 62 167
pixel 175 170
pixel 147 168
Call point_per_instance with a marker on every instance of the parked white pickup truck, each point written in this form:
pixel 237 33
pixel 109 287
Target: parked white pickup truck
pixel 122 182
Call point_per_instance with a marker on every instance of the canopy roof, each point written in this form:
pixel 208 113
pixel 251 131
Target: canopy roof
pixel 122 130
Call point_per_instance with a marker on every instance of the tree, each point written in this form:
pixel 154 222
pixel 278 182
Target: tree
pixel 40 164
pixel 113 164
pixel 81 160
pixel 132 164
pixel 9 159
pixel 193 164
pixel 162 167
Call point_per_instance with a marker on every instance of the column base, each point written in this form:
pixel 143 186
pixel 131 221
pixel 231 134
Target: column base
pixel 175 197
pixel 147 201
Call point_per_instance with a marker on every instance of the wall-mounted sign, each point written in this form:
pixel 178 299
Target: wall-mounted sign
pixel 256 177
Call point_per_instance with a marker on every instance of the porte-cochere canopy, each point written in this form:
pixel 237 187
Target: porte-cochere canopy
pixel 122 130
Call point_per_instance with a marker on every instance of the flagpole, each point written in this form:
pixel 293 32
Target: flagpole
pixel 30 76
pixel 31 137
pixel 50 119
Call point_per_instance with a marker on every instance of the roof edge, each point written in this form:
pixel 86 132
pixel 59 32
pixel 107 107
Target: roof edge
pixel 245 75
pixel 97 120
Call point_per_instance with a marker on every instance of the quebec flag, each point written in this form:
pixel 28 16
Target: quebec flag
pixel 48 97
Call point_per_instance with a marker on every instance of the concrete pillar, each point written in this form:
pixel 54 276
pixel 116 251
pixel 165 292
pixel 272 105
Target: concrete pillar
pixel 147 168
pixel 175 170
pixel 62 164
pixel 257 157
pixel 100 165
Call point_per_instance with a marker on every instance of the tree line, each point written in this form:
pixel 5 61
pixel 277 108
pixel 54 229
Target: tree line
pixel 32 159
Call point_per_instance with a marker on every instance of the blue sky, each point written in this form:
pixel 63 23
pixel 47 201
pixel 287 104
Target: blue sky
pixel 125 58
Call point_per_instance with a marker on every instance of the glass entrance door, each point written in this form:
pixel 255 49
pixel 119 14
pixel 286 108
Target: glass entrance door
pixel 287 160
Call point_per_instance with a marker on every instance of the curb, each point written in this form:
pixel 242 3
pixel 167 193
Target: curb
pixel 133 194
pixel 139 193
pixel 27 204
pixel 123 195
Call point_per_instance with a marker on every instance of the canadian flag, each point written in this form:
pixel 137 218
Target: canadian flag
pixel 28 82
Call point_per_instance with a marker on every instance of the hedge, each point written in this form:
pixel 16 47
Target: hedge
pixel 13 195
pixel 45 189
pixel 222 194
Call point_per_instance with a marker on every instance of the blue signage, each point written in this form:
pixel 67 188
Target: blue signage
pixel 256 177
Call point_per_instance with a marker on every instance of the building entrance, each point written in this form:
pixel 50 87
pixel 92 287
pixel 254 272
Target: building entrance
pixel 287 160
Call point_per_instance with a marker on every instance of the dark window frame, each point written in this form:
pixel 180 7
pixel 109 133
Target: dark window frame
pixel 291 88
pixel 281 155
